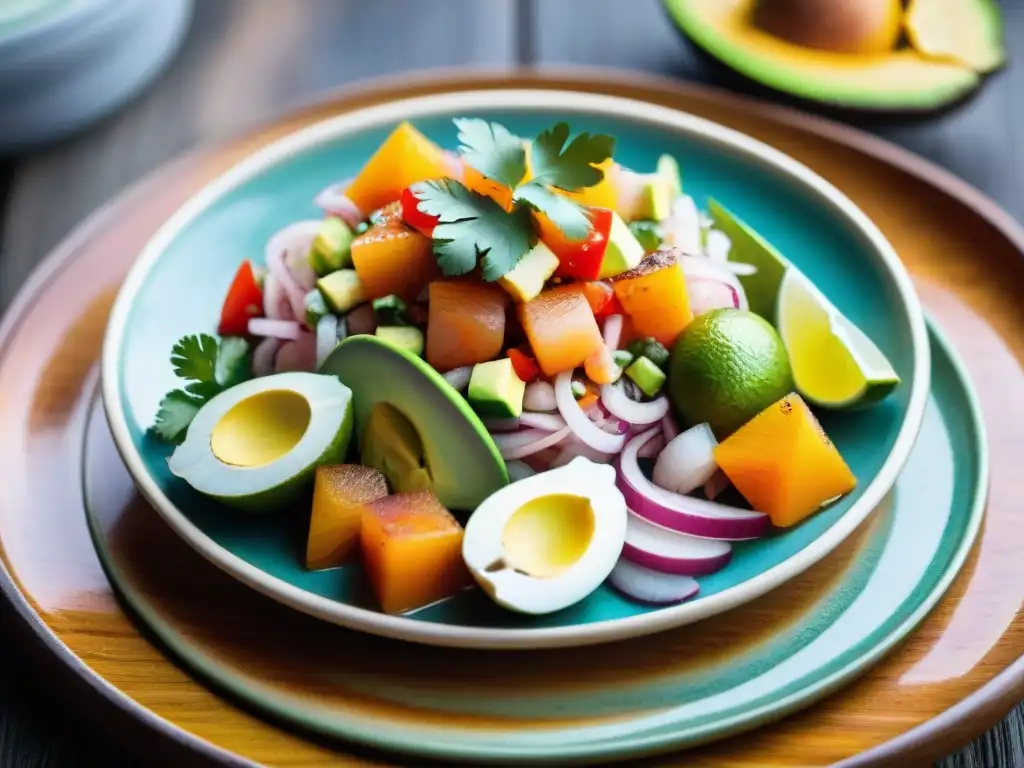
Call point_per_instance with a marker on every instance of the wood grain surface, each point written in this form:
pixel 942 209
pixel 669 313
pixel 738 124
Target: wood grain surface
pixel 246 60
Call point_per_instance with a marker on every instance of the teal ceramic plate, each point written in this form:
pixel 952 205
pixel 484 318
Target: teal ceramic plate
pixel 180 279
pixel 724 675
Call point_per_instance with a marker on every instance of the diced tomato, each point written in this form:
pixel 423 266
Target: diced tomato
pixel 526 367
pixel 413 216
pixel 580 259
pixel 611 307
pixel 244 301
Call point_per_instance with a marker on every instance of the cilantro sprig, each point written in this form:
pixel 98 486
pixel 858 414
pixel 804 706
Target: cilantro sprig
pixel 472 227
pixel 210 367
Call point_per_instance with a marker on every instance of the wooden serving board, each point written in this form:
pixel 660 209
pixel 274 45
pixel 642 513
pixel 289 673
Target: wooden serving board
pixel 950 681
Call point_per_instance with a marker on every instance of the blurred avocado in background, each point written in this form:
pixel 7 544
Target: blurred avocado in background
pixel 66 63
pixel 872 55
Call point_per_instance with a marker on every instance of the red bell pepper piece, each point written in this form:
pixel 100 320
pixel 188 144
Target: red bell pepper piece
pixel 581 259
pixel 244 301
pixel 526 367
pixel 413 216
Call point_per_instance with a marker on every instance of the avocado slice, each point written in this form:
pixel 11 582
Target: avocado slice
pixel 966 31
pixel 452 446
pixel 623 251
pixel 496 391
pixel 332 247
pixel 903 79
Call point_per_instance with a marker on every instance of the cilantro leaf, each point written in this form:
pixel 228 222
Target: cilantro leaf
pixel 195 357
pixel 491 149
pixel 234 362
pixel 566 214
pixel 472 226
pixel 203 390
pixel 176 412
pixel 569 167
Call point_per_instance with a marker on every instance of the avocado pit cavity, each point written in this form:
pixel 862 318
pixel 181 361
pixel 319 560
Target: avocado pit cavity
pixel 839 26
pixel 261 429
pixel 392 445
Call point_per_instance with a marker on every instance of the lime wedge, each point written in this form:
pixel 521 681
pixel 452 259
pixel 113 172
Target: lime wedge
pixel 835 364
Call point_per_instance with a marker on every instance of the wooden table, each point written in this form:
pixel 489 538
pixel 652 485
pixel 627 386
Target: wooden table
pixel 246 61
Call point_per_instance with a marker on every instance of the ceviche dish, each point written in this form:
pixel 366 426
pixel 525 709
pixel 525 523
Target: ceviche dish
pixel 519 366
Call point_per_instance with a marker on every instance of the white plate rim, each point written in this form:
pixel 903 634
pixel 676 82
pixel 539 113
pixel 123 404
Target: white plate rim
pixel 566 101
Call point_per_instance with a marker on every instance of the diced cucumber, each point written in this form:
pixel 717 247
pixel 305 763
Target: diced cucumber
pixel 646 375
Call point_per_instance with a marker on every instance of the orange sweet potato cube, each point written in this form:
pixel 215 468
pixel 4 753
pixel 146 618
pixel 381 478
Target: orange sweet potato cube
pixel 339 495
pixel 412 551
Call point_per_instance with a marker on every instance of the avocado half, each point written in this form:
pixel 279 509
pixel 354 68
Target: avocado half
pixel 414 426
pixel 257 445
pixel 903 79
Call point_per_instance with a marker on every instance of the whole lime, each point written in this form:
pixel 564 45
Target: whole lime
pixel 727 367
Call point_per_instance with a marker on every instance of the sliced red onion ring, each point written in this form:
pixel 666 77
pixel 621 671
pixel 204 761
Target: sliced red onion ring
pixel 326 338
pixel 579 423
pixel 706 294
pixel 647 586
pixel 459 377
pixel 549 422
pixel 288 330
pixel 295 241
pixel 682 227
pixel 298 355
pixel 651 448
pixel 263 356
pixel 517 445
pixel 573 447
pixel 696 267
pixel 612 331
pixel 716 485
pixel 661 549
pixel 276 305
pixel 685 514
pixel 278 270
pixel 669 426
pixel 539 397
pixel 717 245
pixel 688 461
pixel 333 201
pixel 619 404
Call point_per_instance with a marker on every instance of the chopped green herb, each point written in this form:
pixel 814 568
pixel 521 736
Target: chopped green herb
pixel 493 150
pixel 209 367
pixel 579 389
pixel 566 215
pixel 569 167
pixel 622 358
pixel 473 226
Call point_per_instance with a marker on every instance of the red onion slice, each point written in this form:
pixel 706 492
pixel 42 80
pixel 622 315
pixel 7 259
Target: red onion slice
pixel 669 427
pixel 685 514
pixel 650 587
pixel 549 422
pixel 288 330
pixel 276 305
pixel 278 270
pixel 517 445
pixel 459 377
pixel 682 227
pixel 701 267
pixel 706 294
pixel 612 331
pixel 717 245
pixel 688 461
pixel 619 404
pixel 333 201
pixel 539 397
pixel 716 485
pixel 651 448
pixel 667 551
pixel 295 242
pixel 298 355
pixel 579 423
pixel 263 356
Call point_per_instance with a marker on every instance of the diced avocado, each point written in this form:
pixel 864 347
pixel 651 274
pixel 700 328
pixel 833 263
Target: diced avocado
pixel 342 290
pixel 407 337
pixel 390 310
pixel 316 307
pixel 527 278
pixel 623 252
pixel 657 198
pixel 648 234
pixel 649 377
pixel 451 451
pixel 495 391
pixel 668 169
pixel 332 247
pixel 650 348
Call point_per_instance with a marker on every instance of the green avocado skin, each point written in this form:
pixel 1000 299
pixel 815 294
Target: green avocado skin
pixel 281 496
